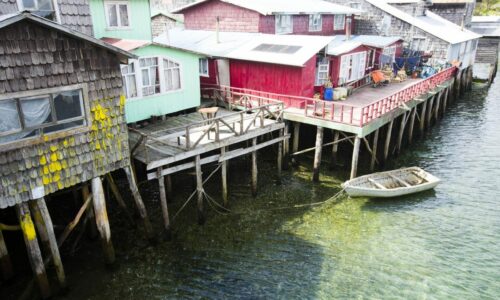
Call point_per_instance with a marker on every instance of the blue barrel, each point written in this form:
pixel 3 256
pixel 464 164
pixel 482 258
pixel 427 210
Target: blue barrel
pixel 328 94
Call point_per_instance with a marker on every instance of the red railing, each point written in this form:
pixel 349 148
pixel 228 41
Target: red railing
pixel 332 111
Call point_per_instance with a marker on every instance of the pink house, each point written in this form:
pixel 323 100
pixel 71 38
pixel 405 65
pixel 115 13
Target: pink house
pixel 305 17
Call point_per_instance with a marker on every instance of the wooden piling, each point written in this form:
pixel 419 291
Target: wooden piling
pixel 33 250
pixel 445 100
pixel 280 157
pixel 429 112
pixel 437 106
pixel 168 184
pixel 401 133
pixel 335 149
pixel 422 118
pixel 286 148
pixel 101 217
pixel 254 168
pixel 412 125
pixel 199 191
pixel 5 262
pixel 225 195
pixel 143 214
pixel 388 140
pixel 374 150
pixel 43 223
pixel 295 142
pixel 317 153
pixel 164 206
pixel 355 157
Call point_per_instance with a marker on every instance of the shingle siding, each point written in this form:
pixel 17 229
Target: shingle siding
pixel 487 50
pixel 8 7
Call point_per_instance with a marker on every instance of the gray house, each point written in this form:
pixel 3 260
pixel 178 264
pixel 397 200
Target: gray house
pixel 485 67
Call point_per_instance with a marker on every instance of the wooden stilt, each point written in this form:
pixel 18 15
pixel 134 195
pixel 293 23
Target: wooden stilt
pixel 401 133
pixel 286 148
pixel 374 151
pixel 355 157
pixel 422 118
pixel 335 149
pixel 164 206
pixel 296 136
pixel 280 158
pixel 225 195
pixel 5 263
pixel 445 100
pixel 388 140
pixel 34 253
pixel 168 184
pixel 101 217
pixel 45 229
pixel 429 112
pixel 317 153
pixel 412 125
pixel 118 197
pixel 437 106
pixel 92 227
pixel 199 189
pixel 143 214
pixel 254 169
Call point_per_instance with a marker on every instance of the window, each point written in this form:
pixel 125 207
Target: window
pixel 322 68
pixel 315 22
pixel 172 75
pixel 150 76
pixel 117 14
pixel 355 5
pixel 42 8
pixel 352 67
pixel 204 67
pixel 40 113
pixel 371 59
pixel 129 80
pixel 284 24
pixel 339 22
pixel 419 44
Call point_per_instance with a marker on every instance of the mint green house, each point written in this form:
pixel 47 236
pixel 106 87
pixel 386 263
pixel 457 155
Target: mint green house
pixel 162 80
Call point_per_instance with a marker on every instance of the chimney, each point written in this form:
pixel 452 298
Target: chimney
pixel 217 30
pixel 348 29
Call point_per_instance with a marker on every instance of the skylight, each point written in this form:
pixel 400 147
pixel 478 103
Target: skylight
pixel 274 48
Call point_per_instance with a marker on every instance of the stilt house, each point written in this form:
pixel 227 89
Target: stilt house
pixel 485 67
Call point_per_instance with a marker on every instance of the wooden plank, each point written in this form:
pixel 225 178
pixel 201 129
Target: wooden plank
pixel 377 184
pixel 317 153
pixel 400 180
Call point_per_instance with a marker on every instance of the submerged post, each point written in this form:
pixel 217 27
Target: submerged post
pixel 101 217
pixel 280 157
pixel 422 118
pixel 374 150
pixel 401 133
pixel 429 113
pixel 335 149
pixel 254 168
pixel 296 136
pixel 286 147
pixel 148 229
pixel 199 190
pixel 355 157
pixel 388 140
pixel 317 153
pixel 225 195
pixel 34 253
pixel 164 206
pixel 412 125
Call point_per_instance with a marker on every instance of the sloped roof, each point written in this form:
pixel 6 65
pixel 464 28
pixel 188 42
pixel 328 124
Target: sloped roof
pixel 127 45
pixel 6 20
pixel 293 50
pixel 340 45
pixel 270 7
pixel 486 25
pixel 430 23
pixel 176 17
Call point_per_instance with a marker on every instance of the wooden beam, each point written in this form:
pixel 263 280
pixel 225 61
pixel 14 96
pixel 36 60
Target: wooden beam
pixel 143 214
pixel 225 195
pixel 374 150
pixel 355 157
pixel 254 168
pixel 412 124
pixel 45 229
pixel 437 106
pixel 401 133
pixel 401 181
pixel 317 153
pixel 388 140
pixel 199 190
pixel 422 118
pixel 286 147
pixel 377 184
pixel 33 250
pixel 5 262
pixel 335 149
pixel 296 137
pixel 429 111
pixel 101 216
pixel 280 156
pixel 164 206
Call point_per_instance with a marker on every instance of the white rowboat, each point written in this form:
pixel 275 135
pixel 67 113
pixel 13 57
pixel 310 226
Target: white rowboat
pixel 391 183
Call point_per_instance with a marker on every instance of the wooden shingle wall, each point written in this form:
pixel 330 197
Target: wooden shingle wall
pixel 8 7
pixel 33 57
pixel 487 50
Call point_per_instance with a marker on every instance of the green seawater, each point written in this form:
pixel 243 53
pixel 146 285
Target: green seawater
pixel 441 244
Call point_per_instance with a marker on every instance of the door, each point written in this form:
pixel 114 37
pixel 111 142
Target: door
pixel 223 72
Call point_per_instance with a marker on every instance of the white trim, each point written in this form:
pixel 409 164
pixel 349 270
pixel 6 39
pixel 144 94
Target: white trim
pixel 311 19
pixel 343 22
pixel 208 67
pixel 277 21
pixel 106 15
pixel 55 5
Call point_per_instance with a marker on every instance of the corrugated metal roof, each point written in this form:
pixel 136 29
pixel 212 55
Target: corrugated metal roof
pixel 270 7
pixel 430 23
pixel 10 19
pixel 241 45
pixel 340 46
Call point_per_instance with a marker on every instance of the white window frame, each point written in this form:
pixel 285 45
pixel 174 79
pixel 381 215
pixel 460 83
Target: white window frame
pixel 164 68
pixel 161 68
pixel 134 74
pixel 86 115
pixel 421 42
pixel 20 6
pixel 203 61
pixel 322 68
pixel 315 27
pixel 352 67
pixel 118 20
pixel 279 20
pixel 391 50
pixel 335 21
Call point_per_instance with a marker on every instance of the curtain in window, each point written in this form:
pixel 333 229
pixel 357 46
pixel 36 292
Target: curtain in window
pixel 123 15
pixel 35 112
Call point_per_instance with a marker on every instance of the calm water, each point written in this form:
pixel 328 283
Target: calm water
pixel 442 244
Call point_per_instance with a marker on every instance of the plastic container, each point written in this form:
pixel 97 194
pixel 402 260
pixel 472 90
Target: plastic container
pixel 328 94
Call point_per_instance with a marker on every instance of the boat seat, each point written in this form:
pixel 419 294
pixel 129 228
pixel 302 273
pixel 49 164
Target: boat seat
pixel 377 184
pixel 401 181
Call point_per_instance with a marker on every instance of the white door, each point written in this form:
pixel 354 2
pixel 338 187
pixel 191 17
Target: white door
pixel 223 72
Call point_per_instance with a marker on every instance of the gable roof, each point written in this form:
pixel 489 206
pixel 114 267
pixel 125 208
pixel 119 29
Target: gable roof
pixel 271 7
pixel 292 50
pixel 10 19
pixel 430 23
pixel 176 17
pixel 340 45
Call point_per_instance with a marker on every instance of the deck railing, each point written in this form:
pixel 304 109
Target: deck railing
pixel 332 111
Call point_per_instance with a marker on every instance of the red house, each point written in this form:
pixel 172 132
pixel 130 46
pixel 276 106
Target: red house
pixel 305 17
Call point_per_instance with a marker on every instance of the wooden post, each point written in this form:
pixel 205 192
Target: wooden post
pixel 164 206
pixel 101 217
pixel 437 106
pixel 168 184
pixel 199 189
pixel 317 153
pixel 388 140
pixel 422 118
pixel 148 229
pixel 45 229
pixel 118 197
pixel 34 253
pixel 445 100
pixel 335 149
pixel 296 137
pixel 429 112
pixel 374 150
pixel 5 263
pixel 90 211
pixel 412 124
pixel 254 169
pixel 401 133
pixel 355 157
pixel 286 148
pixel 280 157
pixel 225 195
